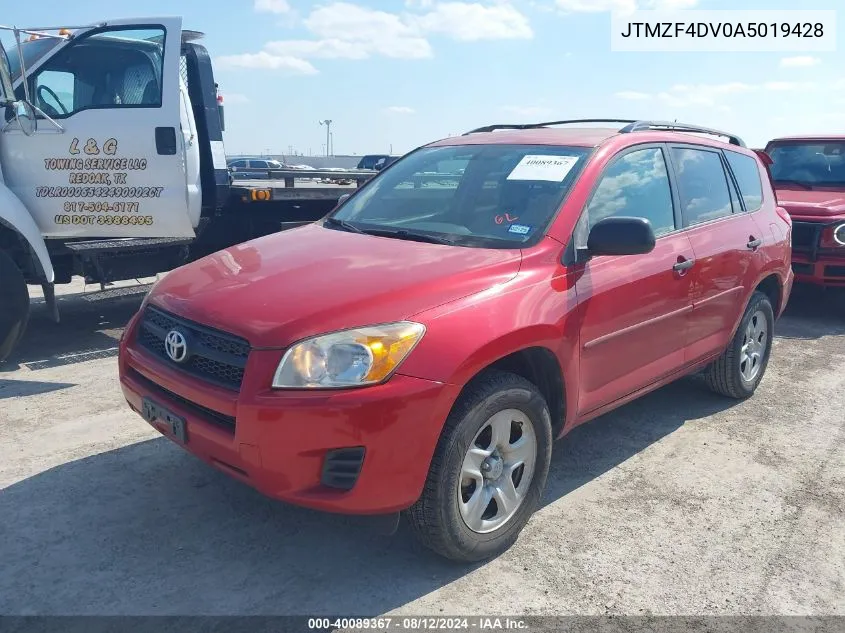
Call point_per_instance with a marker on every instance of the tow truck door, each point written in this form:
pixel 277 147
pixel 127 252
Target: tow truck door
pixel 110 159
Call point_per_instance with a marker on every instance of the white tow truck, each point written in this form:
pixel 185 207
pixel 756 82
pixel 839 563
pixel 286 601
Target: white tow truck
pixel 112 163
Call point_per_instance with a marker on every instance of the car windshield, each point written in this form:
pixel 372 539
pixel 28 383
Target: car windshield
pixel 810 163
pixel 494 196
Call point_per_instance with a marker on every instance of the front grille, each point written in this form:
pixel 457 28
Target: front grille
pixel 805 236
pixel 214 356
pixel 211 416
pixel 834 271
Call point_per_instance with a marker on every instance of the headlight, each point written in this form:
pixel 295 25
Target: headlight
pixel 839 234
pixel 350 358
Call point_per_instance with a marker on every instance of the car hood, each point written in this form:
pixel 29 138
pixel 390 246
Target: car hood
pixel 819 203
pixel 283 287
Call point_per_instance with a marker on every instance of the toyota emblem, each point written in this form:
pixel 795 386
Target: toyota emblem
pixel 176 346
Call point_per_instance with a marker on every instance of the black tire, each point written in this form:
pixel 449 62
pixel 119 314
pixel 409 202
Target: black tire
pixel 435 518
pixel 14 305
pixel 724 375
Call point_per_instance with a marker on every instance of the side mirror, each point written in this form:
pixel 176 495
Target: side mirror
pixel 25 116
pixel 343 198
pixel 621 236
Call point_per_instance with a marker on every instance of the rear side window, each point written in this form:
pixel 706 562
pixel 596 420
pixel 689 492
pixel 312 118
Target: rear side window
pixel 637 184
pixel 702 185
pixel 748 178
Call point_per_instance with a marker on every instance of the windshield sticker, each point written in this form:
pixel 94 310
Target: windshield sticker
pixel 519 229
pixel 543 167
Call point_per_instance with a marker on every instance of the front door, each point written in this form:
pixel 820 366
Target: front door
pixel 635 309
pixel 108 159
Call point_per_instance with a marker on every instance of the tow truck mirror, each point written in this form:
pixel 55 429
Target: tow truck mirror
pixel 25 116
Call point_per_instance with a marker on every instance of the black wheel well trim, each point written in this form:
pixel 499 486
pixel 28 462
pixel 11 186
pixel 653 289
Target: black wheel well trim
pixel 538 365
pixel 772 287
pixel 26 247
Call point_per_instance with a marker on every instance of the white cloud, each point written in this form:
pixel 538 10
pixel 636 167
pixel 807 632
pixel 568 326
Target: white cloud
pixel 400 110
pixel 621 6
pixel 377 31
pixel 465 21
pixel 343 30
pixel 272 6
pixel 265 61
pixel 801 61
pixel 326 49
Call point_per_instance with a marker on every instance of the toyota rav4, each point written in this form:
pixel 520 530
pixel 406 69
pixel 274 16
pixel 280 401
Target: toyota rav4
pixel 420 347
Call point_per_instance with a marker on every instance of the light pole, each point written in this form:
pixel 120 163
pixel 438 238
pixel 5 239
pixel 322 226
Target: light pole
pixel 328 124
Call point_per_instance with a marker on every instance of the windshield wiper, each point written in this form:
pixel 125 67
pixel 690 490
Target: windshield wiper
pixel 786 181
pixel 343 224
pixel 404 234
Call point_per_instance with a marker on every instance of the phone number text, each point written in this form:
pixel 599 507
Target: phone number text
pixel 101 207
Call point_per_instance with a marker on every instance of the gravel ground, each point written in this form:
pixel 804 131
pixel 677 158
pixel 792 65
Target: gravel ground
pixel 680 503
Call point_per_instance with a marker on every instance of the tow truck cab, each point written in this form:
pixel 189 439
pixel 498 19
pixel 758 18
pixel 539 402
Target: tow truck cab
pixel 112 163
pixel 809 177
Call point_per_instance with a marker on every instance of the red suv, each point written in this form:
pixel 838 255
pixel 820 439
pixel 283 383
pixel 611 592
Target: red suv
pixel 809 176
pixel 420 347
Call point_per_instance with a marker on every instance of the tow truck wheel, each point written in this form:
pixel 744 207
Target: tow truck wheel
pixel 14 305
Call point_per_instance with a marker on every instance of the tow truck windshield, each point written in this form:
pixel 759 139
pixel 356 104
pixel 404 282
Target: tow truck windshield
pixel 808 163
pixel 32 50
pixel 489 196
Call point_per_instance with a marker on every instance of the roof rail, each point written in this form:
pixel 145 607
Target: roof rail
pixel 530 126
pixel 632 126
pixel 638 126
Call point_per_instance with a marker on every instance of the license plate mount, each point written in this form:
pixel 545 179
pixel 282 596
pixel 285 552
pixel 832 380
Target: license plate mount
pixel 174 425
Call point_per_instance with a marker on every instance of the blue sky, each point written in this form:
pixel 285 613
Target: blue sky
pixel 401 73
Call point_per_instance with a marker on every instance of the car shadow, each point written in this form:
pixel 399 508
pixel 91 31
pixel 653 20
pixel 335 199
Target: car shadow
pixel 23 388
pixel 148 528
pixel 812 313
pixel 90 328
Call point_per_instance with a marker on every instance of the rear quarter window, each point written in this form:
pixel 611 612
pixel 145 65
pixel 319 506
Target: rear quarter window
pixel 747 175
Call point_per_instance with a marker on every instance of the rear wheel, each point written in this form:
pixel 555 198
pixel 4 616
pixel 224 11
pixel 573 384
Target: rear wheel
pixel 14 305
pixel 488 472
pixel 740 368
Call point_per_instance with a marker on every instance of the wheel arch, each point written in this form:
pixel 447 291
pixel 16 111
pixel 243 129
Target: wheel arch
pixel 539 365
pixel 16 221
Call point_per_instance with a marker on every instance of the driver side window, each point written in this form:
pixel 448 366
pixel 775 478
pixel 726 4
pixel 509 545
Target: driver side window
pixel 120 68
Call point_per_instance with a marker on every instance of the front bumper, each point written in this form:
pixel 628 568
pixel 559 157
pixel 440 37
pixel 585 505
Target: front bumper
pixel 824 271
pixel 282 443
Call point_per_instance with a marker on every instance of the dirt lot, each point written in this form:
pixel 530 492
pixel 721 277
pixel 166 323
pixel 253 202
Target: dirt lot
pixel 681 503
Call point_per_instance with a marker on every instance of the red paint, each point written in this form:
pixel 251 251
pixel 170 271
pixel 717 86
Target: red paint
pixel 822 207
pixel 618 327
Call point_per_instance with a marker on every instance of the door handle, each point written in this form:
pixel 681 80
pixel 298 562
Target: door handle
pixel 684 265
pixel 754 244
pixel 166 141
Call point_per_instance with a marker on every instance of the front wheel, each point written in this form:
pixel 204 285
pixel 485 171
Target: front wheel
pixel 740 368
pixel 488 472
pixel 14 305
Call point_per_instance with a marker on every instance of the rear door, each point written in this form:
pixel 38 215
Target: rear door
pixel 725 241
pixel 635 309
pixel 112 164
